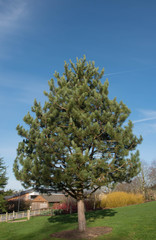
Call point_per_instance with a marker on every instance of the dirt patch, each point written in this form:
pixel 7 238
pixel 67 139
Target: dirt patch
pixel 17 221
pixel 90 233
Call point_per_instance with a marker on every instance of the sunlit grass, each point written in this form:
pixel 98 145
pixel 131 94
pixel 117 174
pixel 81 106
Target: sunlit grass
pixel 135 222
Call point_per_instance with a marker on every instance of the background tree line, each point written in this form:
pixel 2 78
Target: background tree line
pixel 144 182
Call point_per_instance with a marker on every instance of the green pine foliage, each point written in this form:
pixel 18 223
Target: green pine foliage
pixel 3 182
pixel 78 140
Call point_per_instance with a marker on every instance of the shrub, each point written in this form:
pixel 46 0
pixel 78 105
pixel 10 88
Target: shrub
pixel 89 204
pixel 119 199
pixel 70 205
pixel 46 212
pixel 59 208
pixel 92 202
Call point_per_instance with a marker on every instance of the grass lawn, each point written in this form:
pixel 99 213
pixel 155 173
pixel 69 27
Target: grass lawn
pixel 137 222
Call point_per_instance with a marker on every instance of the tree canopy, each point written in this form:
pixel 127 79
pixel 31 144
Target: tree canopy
pixel 78 140
pixel 3 182
pixel 3 178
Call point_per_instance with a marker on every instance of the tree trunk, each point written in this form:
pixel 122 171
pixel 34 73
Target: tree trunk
pixel 81 215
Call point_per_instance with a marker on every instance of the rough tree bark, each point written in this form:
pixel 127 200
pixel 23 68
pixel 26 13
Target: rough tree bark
pixel 81 216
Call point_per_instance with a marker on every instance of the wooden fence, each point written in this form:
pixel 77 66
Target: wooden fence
pixel 24 214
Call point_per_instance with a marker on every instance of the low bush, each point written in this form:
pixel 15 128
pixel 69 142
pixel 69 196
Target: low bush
pixel 59 208
pixel 70 206
pixel 120 199
pixel 46 212
pixel 93 202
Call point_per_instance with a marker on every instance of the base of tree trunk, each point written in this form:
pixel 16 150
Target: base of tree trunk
pixel 81 216
pixel 90 233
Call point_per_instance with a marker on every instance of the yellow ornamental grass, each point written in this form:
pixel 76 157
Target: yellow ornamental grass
pixel 120 199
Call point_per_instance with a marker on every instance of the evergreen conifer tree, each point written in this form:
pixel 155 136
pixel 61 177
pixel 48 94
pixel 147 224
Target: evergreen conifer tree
pixel 77 140
pixel 3 182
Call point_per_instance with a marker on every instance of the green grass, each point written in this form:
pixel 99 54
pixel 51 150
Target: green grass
pixel 137 222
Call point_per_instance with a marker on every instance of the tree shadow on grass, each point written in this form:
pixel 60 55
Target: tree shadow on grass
pixel 91 216
pixel 100 214
pixel 57 223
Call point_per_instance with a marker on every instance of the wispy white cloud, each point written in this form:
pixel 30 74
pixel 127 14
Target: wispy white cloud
pixel 144 120
pixel 117 73
pixel 146 125
pixel 12 17
pixel 129 71
pixel 148 115
pixel 11 12
pixel 148 112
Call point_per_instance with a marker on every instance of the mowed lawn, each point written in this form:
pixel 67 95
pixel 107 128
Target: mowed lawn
pixel 137 222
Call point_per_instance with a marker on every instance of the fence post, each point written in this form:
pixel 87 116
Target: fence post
pixel 28 214
pixel 6 216
pixel 13 215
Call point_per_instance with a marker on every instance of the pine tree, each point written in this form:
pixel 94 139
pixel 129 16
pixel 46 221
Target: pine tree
pixel 77 140
pixel 3 182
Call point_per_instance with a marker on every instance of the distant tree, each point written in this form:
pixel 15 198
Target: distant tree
pixel 147 178
pixel 144 183
pixel 135 186
pixel 16 205
pixel 77 141
pixel 3 182
pixel 10 192
pixel 152 174
pixel 3 178
pixel 144 177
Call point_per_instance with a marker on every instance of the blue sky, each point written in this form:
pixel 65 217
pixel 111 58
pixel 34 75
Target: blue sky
pixel 37 36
